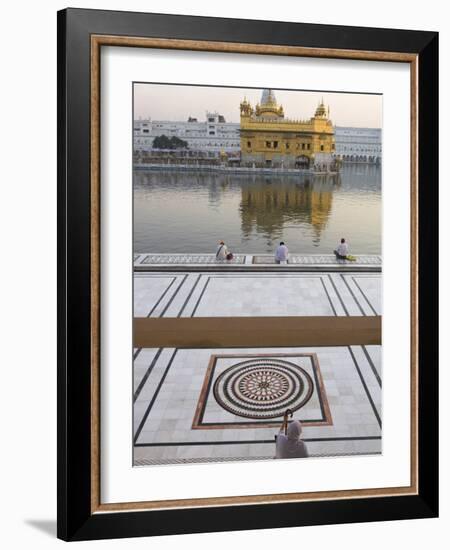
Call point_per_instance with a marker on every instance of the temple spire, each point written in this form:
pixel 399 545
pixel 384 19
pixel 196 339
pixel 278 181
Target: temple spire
pixel 268 97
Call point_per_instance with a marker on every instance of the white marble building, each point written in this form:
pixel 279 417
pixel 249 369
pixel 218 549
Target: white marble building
pixel 213 135
pixel 358 144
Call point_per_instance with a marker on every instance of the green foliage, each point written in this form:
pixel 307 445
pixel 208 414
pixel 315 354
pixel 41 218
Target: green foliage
pixel 164 142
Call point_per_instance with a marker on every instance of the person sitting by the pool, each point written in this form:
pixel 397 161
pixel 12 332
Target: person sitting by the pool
pixel 289 444
pixel 222 251
pixel 342 250
pixel 281 253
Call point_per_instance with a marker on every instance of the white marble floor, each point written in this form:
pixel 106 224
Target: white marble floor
pixel 143 260
pixel 179 414
pixel 256 294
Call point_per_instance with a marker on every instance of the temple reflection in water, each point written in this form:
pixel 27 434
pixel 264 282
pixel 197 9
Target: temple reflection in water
pixel 271 205
pixel 190 212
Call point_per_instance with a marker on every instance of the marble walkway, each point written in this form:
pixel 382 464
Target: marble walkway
pixel 249 262
pixel 207 405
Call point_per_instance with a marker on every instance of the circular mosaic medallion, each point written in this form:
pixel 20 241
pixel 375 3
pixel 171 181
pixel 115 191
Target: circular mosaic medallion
pixel 263 388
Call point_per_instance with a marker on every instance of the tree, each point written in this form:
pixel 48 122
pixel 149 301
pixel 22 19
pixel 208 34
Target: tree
pixel 164 142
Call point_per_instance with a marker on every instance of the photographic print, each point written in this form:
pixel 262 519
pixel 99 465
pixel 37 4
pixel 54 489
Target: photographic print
pixel 244 317
pixel 251 203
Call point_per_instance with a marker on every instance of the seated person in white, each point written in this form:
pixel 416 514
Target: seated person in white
pixel 281 253
pixel 290 445
pixel 222 251
pixel 342 250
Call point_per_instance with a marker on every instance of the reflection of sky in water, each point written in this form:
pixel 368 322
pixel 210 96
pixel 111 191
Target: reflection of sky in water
pixel 184 213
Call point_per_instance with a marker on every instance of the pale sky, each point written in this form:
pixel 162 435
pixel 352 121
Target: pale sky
pixel 178 102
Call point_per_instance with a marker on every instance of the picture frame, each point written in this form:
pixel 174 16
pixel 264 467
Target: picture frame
pixel 81 36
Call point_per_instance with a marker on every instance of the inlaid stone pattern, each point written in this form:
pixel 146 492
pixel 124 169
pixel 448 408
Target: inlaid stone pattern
pixel 177 418
pixel 263 388
pixel 189 259
pixel 315 259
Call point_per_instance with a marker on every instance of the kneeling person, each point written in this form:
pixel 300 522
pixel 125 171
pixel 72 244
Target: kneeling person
pixel 342 250
pixel 289 444
pixel 281 254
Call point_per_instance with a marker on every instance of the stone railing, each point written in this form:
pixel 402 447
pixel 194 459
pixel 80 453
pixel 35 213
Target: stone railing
pixel 363 262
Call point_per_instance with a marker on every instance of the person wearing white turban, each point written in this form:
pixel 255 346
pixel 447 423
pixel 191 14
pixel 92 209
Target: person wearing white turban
pixel 289 444
pixel 222 251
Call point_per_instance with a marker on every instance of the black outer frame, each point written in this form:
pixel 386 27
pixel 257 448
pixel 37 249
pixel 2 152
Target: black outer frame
pixel 75 521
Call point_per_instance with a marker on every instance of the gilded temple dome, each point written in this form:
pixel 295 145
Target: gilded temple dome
pixel 268 97
pixel 321 111
pixel 268 107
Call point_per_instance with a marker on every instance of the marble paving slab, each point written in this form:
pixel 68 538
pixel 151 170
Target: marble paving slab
pixel 166 408
pixel 301 260
pixel 171 386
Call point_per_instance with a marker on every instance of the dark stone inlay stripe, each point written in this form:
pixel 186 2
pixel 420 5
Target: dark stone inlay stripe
pixel 147 374
pixel 255 442
pixel 208 389
pixel 254 424
pixel 328 296
pixel 200 297
pixel 155 395
pixel 364 295
pixel 318 388
pixel 173 296
pixel 189 295
pixel 372 366
pixel 353 295
pixel 337 294
pixel 161 297
pixel 366 389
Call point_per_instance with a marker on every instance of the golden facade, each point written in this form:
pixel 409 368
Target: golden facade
pixel 268 139
pixel 268 208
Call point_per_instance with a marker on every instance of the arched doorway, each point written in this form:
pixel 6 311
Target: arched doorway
pixel 302 161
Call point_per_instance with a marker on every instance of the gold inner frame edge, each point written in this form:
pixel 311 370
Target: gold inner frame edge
pixel 97 41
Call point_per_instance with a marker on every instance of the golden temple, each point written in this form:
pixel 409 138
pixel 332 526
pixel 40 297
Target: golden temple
pixel 268 139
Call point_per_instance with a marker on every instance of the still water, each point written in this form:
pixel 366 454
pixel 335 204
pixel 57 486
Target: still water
pixel 190 212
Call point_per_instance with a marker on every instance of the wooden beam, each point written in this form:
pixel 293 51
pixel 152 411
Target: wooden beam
pixel 229 332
